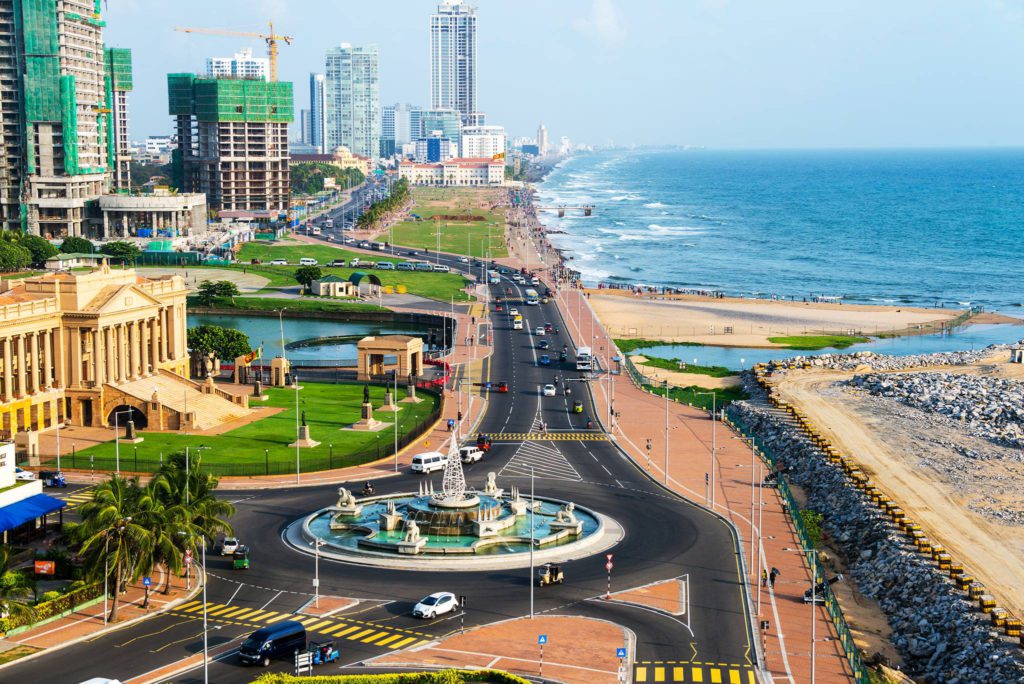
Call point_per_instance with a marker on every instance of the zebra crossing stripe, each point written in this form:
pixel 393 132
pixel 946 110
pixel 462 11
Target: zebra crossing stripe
pixel 282 616
pixel 403 642
pixel 340 626
pixel 389 639
pixel 234 613
pixel 360 635
pixel 220 609
pixel 543 461
pixel 317 625
pixel 370 639
pixel 347 631
pixel 248 615
pixel 183 606
pixel 268 615
pixel 194 609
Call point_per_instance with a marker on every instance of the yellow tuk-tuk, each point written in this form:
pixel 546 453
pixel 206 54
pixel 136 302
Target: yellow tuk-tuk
pixel 550 574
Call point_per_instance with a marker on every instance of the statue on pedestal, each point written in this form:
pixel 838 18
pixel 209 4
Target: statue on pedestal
pixel 565 514
pixel 412 531
pixel 366 394
pixel 346 499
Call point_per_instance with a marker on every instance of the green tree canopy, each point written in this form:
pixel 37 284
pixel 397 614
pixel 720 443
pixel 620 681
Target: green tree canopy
pixel 307 274
pixel 13 257
pixel 77 245
pixel 39 247
pixel 208 291
pixel 308 178
pixel 122 251
pixel 382 209
pixel 224 343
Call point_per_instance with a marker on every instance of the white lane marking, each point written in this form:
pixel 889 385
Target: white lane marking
pixel 263 607
pixel 543 459
pixel 234 595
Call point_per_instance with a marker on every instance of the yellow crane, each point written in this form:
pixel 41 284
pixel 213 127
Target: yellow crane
pixel 271 39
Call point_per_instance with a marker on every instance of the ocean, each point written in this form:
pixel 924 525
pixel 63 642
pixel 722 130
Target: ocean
pixel 925 228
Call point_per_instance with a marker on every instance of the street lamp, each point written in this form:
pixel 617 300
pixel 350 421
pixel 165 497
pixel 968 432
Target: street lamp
pixel 317 543
pixel 117 440
pixel 714 413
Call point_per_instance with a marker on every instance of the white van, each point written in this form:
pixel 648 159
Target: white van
pixel 470 454
pixel 441 268
pixel 306 261
pixel 428 462
pixel 517 324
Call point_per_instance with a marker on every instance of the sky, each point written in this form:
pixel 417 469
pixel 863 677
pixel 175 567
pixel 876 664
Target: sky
pixel 715 73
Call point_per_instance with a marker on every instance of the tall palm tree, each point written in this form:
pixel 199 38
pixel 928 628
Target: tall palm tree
pixel 15 587
pixel 116 544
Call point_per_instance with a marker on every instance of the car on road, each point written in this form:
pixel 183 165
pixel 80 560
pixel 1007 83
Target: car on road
pixel 539 331
pixel 338 263
pixel 228 546
pixel 483 442
pixel 503 387
pixel 349 241
pixel 364 245
pixel 543 344
pixel 577 407
pixel 428 462
pixel 544 360
pixel 549 390
pixel 279 262
pixel 470 454
pixel 534 281
pixel 20 474
pixel 548 327
pixel 438 603
pixel 412 252
pixel 280 640
pixel 513 312
pixel 464 260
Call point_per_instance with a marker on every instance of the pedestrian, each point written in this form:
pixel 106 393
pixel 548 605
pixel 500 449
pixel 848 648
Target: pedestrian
pixel 764 577
pixel 451 424
pixel 771 577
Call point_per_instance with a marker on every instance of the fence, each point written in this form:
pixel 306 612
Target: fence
pixel 692 397
pixel 835 611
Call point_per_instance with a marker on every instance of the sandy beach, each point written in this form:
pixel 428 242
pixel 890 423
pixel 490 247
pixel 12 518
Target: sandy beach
pixel 732 322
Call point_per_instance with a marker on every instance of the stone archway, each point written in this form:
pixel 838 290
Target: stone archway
pixel 126 412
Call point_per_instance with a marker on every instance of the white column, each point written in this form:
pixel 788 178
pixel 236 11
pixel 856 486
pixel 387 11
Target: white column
pixel 48 358
pixel 33 367
pixel 8 388
pixel 19 354
pixel 154 344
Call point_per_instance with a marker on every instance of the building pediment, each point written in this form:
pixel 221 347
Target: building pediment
pixel 118 299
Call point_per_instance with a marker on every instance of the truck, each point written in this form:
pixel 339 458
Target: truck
pixel 584 359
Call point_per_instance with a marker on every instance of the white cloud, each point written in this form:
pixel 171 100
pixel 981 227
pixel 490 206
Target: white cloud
pixel 603 23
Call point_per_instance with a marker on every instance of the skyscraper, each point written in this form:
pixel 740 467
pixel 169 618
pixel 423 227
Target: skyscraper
pixel 241 65
pixel 453 58
pixel 118 67
pixel 318 112
pixel 305 124
pixel 353 100
pixel 387 130
pixel 542 140
pixel 57 147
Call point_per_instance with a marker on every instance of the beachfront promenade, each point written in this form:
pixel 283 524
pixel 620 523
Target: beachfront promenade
pixel 641 420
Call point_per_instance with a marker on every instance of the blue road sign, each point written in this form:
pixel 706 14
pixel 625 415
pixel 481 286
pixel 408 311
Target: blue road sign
pixel 146 582
pixel 620 653
pixel 542 639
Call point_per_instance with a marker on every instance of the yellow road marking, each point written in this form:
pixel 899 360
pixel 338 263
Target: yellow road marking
pixel 335 628
pixel 390 638
pixel 188 605
pixel 234 613
pixel 360 635
pixel 734 677
pixel 194 609
pixel 697 674
pixel 218 611
pixel 659 674
pixel 318 625
pixel 347 631
pixel 641 674
pixel 248 614
pixel 268 615
pixel 716 676
pixel 370 639
pixel 403 642
pixel 677 674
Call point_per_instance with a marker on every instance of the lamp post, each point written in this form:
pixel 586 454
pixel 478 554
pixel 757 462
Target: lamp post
pixel 317 543
pixel 295 380
pixel 532 532
pixel 752 457
pixel 714 413
pixel 117 440
pixel 666 432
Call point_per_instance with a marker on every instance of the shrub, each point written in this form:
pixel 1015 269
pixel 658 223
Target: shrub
pixel 49 596
pixel 440 677
pixel 812 523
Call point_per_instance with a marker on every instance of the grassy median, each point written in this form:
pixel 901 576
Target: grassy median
pixel 815 342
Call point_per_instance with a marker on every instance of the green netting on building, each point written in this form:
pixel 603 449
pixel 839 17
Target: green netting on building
pixel 179 94
pixel 69 119
pixel 38 20
pixel 230 100
pixel 108 118
pixel 119 67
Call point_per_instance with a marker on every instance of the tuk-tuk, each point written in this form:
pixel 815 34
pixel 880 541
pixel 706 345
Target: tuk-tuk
pixel 52 478
pixel 577 406
pixel 550 574
pixel 563 356
pixel 240 558
pixel 483 442
pixel 323 652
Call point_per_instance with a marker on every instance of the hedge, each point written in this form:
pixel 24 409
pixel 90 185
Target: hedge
pixel 47 609
pixel 440 677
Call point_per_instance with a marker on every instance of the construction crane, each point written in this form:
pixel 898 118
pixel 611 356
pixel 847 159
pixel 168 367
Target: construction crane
pixel 271 39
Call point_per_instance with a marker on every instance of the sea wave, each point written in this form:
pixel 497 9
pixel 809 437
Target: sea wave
pixel 655 205
pixel 627 198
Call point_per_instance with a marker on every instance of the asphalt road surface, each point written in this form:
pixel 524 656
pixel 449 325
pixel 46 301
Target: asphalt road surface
pixel 665 537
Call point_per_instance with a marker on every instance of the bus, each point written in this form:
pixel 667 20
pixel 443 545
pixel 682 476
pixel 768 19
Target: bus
pixel 493 278
pixel 584 360
pixel 532 297
pixel 328 223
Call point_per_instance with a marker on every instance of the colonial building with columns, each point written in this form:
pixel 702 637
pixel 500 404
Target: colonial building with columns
pixel 86 348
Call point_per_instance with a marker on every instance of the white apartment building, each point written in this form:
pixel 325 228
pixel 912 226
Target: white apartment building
pixel 353 99
pixel 453 58
pixel 454 173
pixel 482 141
pixel 241 65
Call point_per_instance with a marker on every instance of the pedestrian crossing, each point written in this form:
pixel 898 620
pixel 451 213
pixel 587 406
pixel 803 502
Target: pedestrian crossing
pixel 541 460
pixel 77 498
pixel 708 673
pixel 548 437
pixel 335 628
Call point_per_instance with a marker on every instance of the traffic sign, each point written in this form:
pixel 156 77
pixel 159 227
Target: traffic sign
pixel 609 556
pixel 608 566
pixel 620 653
pixel 146 581
pixel 542 639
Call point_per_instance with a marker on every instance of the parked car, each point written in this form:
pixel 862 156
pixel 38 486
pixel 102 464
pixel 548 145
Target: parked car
pixel 364 245
pixel 441 268
pixel 438 603
pixel 385 266
pixel 549 390
pixel 424 266
pixel 470 454
pixel 307 261
pixel 20 474
pixel 338 263
pixel 405 266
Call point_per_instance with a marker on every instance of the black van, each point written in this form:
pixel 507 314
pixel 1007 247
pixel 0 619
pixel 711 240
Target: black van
pixel 281 640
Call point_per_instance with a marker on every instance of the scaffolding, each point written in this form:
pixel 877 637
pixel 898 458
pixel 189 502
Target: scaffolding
pixel 119 68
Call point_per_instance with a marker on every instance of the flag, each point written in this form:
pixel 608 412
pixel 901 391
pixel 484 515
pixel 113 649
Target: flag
pixel 498 157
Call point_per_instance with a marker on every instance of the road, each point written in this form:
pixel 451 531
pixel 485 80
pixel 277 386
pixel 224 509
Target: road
pixel 665 537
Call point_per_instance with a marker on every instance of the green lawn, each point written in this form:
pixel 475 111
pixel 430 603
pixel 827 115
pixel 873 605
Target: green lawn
pixel 328 408
pixel 673 365
pixel 633 343
pixel 698 396
pixel 472 238
pixel 276 303
pixel 814 342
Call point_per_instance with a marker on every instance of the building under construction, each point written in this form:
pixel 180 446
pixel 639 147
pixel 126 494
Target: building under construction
pixel 59 115
pixel 232 141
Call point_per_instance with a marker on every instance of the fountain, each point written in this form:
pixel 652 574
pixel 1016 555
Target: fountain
pixel 457 522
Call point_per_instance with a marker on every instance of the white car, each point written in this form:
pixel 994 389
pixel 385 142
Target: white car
pixel 228 546
pixel 436 604
pixel 539 330
pixel 534 281
pixel 20 474
pixel 470 454
pixel 279 262
pixel 464 260
pixel 513 312
pixel 549 390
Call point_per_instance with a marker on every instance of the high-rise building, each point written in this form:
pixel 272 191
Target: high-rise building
pixel 446 122
pixel 241 65
pixel 118 66
pixel 232 141
pixel 318 112
pixel 56 116
pixel 305 124
pixel 353 100
pixel 387 130
pixel 407 123
pixel 453 58
pixel 542 140
pixel 482 142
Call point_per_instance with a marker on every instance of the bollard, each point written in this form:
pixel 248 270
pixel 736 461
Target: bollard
pixel 1012 627
pixel 945 561
pixel 975 590
pixel 963 582
pixel 956 570
pixel 987 603
pixel 998 617
pixel 937 551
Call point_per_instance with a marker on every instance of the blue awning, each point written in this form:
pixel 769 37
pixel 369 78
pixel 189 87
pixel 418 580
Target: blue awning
pixel 31 508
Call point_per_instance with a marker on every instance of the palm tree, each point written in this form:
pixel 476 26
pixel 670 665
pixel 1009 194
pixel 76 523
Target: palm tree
pixel 15 587
pixel 166 524
pixel 115 542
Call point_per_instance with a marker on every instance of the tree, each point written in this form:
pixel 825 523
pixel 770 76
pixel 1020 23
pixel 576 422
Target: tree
pixel 208 291
pixel 224 343
pixel 117 543
pixel 307 274
pixel 125 252
pixel 39 247
pixel 16 588
pixel 13 257
pixel 77 245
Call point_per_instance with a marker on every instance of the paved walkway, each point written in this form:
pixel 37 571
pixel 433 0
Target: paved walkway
pixel 578 650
